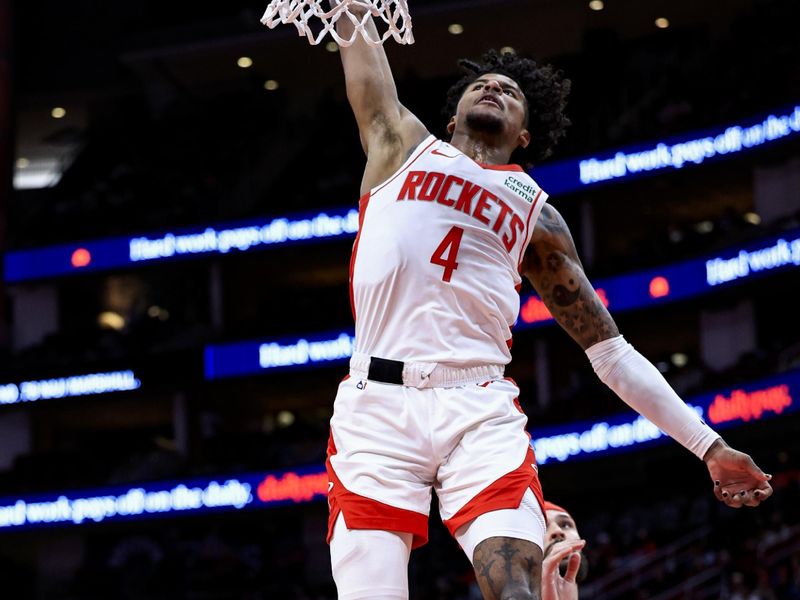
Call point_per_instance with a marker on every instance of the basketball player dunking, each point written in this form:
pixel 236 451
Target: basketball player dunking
pixel 446 230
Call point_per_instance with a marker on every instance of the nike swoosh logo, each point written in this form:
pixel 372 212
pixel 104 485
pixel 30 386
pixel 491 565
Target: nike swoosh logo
pixel 437 153
pixel 330 486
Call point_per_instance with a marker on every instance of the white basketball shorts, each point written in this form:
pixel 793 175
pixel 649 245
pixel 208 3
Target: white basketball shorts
pixel 390 445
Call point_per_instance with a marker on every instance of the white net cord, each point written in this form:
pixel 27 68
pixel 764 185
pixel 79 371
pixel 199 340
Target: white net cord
pixel 393 13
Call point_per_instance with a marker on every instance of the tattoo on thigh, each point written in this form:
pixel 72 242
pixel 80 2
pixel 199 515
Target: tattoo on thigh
pixel 483 568
pixel 508 567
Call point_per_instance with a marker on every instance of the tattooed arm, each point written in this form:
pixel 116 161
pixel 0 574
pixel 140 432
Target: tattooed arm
pixel 552 265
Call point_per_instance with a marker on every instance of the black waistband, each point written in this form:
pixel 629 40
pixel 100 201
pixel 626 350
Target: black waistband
pixel 385 371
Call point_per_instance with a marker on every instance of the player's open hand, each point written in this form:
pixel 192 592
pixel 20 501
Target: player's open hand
pixel 737 479
pixel 554 585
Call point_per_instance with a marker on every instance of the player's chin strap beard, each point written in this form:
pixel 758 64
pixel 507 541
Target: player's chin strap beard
pixel 484 123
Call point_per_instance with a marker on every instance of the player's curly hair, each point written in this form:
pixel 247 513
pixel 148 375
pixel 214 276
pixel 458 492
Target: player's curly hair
pixel 545 90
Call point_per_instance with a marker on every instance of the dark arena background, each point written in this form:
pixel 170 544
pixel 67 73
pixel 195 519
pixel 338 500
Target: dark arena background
pixel 178 208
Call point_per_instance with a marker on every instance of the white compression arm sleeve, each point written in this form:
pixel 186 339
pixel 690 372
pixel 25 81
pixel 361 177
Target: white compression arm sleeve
pixel 640 385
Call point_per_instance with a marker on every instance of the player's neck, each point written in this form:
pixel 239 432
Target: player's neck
pixel 481 149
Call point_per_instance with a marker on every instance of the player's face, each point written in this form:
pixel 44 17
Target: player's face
pixel 560 526
pixel 493 104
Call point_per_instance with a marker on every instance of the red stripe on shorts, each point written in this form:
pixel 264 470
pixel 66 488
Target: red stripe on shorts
pixel 365 513
pixel 504 493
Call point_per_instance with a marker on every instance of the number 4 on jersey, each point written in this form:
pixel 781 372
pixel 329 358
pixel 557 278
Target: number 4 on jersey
pixel 447 252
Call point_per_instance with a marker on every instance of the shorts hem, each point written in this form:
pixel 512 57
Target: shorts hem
pixel 515 534
pixel 360 512
pixel 403 521
pixel 504 493
pixel 368 594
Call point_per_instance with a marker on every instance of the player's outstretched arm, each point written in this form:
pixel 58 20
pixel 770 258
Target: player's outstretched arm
pixel 388 130
pixel 553 267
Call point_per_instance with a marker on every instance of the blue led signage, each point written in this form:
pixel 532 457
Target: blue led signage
pixel 769 398
pixel 782 253
pixel 165 498
pixel 243 238
pixel 643 289
pixel 753 402
pixel 683 280
pixel 557 178
pixel 112 253
pixel 68 387
pixel 252 357
pixel 670 154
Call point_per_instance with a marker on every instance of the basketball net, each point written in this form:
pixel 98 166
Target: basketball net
pixel 313 21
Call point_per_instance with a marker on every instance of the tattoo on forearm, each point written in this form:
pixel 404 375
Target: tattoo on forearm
pixel 563 296
pixel 574 303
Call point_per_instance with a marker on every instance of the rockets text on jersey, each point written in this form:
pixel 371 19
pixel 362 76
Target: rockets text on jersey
pixel 435 268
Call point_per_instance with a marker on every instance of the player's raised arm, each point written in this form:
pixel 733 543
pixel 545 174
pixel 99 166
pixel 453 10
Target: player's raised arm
pixel 388 130
pixel 552 265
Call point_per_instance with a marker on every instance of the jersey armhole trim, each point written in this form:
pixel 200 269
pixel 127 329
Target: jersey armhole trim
pixel 427 143
pixel 533 216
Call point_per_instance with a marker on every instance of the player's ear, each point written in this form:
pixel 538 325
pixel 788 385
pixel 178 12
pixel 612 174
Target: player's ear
pixel 451 126
pixel 524 138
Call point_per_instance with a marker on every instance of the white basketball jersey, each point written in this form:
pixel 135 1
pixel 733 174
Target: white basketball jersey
pixel 434 275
